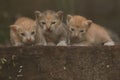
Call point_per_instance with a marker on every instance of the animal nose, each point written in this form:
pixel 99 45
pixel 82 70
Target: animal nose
pixel 76 35
pixel 29 40
pixel 49 29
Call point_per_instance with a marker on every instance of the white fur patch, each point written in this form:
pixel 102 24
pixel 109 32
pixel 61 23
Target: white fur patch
pixel 62 43
pixel 80 45
pixel 18 44
pixel 110 43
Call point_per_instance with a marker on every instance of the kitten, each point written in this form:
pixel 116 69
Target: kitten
pixel 23 32
pixel 84 32
pixel 54 30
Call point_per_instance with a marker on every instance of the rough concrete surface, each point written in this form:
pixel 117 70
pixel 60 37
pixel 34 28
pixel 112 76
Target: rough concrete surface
pixel 60 63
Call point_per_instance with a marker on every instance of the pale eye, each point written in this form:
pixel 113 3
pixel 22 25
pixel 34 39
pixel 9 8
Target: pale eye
pixel 23 34
pixel 32 33
pixel 81 31
pixel 53 22
pixel 72 29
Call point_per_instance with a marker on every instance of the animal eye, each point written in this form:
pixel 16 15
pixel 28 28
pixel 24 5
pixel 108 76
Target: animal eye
pixel 81 30
pixel 72 29
pixel 32 33
pixel 53 22
pixel 43 23
pixel 23 34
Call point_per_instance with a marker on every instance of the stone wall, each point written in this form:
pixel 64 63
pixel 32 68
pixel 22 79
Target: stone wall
pixel 60 63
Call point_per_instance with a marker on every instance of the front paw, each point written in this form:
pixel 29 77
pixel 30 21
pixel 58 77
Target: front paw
pixel 80 45
pixel 110 43
pixel 62 43
pixel 18 44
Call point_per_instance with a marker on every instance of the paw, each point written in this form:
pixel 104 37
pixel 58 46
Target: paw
pixel 84 45
pixel 17 44
pixel 110 43
pixel 62 43
pixel 80 45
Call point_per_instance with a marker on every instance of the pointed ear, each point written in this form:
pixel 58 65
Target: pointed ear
pixel 60 14
pixel 14 27
pixel 88 23
pixel 37 14
pixel 69 18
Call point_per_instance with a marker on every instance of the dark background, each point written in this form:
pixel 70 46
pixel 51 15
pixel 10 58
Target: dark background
pixel 103 12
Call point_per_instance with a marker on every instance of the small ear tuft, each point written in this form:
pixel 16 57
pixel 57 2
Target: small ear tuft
pixel 37 14
pixel 13 27
pixel 88 23
pixel 69 17
pixel 60 14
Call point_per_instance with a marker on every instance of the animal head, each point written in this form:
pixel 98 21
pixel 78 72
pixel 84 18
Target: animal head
pixel 25 33
pixel 49 20
pixel 78 26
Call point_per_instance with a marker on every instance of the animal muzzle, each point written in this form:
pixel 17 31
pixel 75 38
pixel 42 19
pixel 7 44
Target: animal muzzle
pixel 49 30
pixel 76 35
pixel 29 39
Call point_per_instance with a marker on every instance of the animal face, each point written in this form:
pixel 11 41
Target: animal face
pixel 49 20
pixel 25 34
pixel 78 26
pixel 27 37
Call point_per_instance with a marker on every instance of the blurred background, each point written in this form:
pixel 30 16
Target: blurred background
pixel 103 12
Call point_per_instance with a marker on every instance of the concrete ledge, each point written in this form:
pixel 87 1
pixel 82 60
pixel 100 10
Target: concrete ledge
pixel 60 63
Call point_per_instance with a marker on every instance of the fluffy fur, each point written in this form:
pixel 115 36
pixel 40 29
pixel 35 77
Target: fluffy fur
pixel 23 32
pixel 84 32
pixel 54 30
